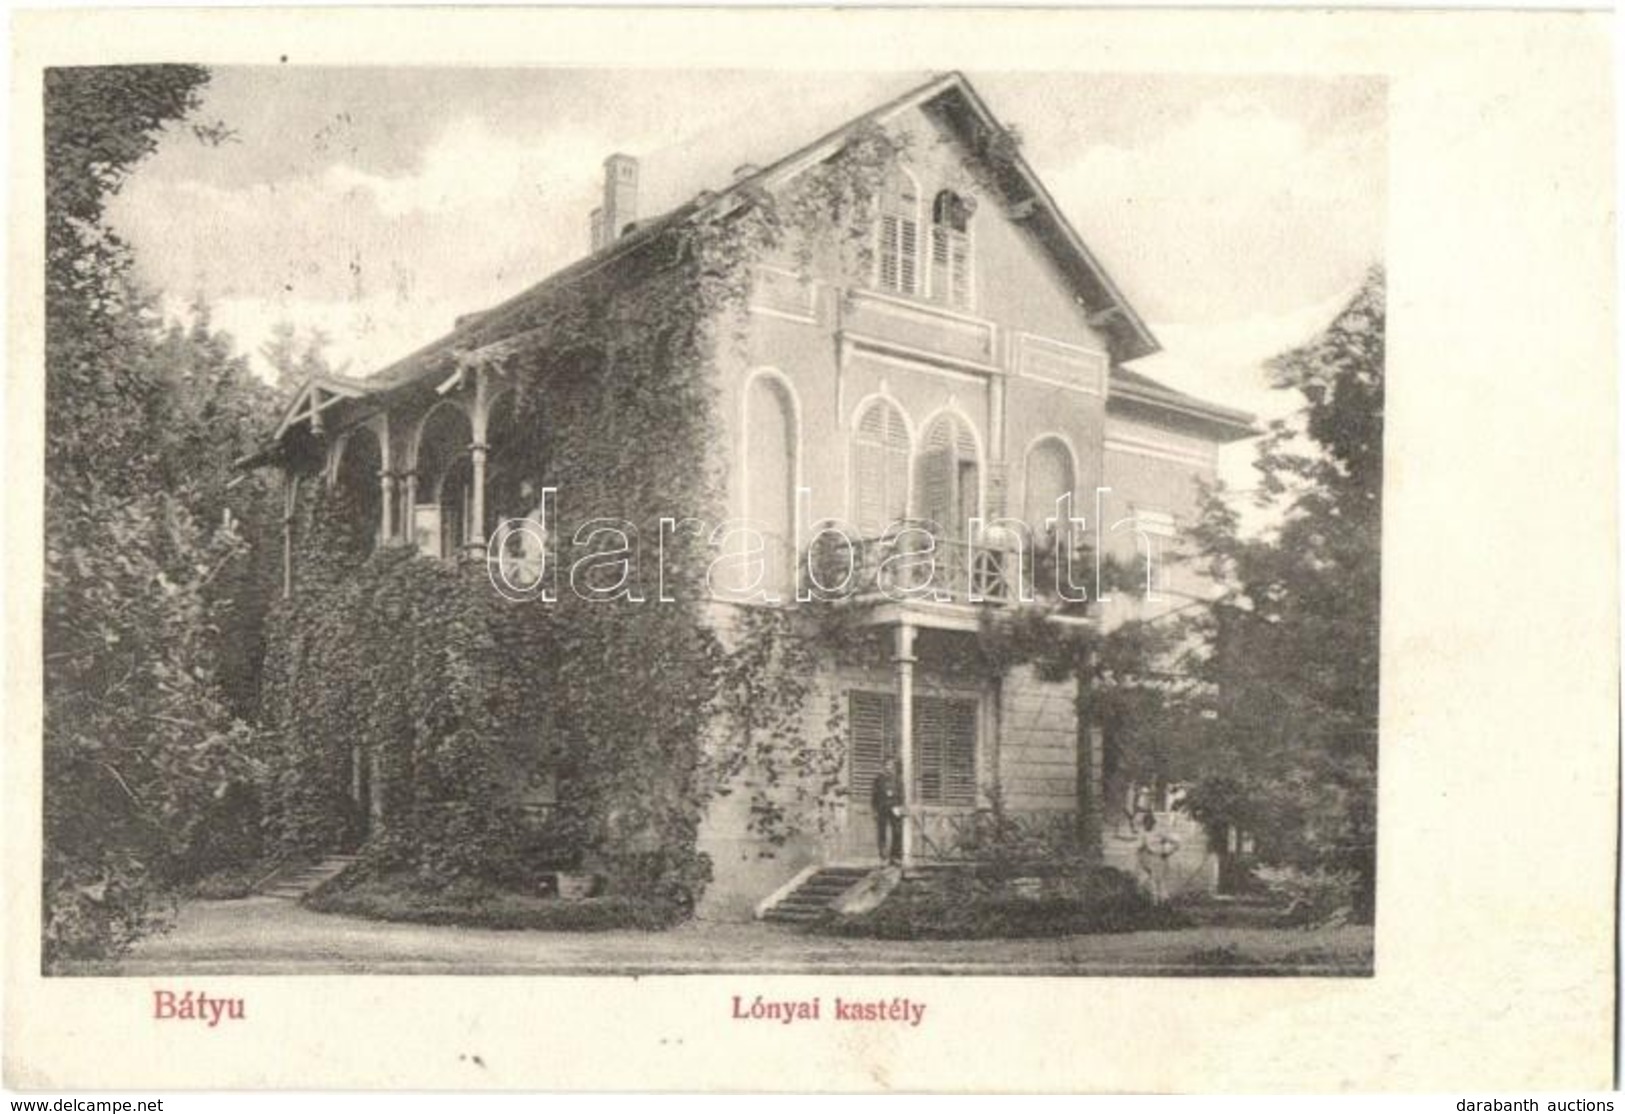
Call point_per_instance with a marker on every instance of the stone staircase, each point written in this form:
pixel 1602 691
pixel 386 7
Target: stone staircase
pixel 293 883
pixel 811 899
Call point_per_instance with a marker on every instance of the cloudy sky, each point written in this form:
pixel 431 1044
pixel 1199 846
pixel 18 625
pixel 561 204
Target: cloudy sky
pixel 1237 214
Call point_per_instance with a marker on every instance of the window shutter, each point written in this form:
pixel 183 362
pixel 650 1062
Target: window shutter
pixel 896 502
pixel 870 468
pixel 930 730
pixel 945 751
pixel 872 739
pixel 959 271
pixel 900 236
pixel 908 254
pixel 950 267
pixel 890 253
pixel 959 753
pixel 880 461
pixel 947 475
pixel 936 487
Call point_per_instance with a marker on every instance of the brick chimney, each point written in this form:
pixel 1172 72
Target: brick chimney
pixel 620 206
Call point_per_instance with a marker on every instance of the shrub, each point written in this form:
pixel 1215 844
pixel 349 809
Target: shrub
pixel 228 885
pixel 478 904
pixel 1312 897
pixel 979 905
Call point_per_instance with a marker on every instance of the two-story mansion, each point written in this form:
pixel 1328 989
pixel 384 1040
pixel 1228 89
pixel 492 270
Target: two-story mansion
pixel 976 371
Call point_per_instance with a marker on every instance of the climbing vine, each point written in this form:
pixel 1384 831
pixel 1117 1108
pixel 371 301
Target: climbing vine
pixel 447 703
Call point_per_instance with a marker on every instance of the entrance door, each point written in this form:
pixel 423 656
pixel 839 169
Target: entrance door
pixel 944 768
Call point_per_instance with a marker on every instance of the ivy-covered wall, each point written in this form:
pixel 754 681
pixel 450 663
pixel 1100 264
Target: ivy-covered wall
pixel 454 697
pixel 646 717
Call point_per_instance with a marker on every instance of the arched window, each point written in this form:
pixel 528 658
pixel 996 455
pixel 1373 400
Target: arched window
pixel 770 476
pixel 948 476
pixel 445 482
pixel 880 452
pixel 1049 476
pixel 899 253
pixel 950 280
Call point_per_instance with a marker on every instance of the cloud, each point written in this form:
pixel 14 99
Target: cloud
pixel 1232 208
pixel 382 262
pixel 1224 362
pixel 468 166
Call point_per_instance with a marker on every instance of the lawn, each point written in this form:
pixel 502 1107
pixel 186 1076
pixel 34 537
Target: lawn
pixel 269 936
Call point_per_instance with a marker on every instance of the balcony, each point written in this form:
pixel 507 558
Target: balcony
pixel 935 580
pixel 923 569
pixel 911 572
pixel 914 329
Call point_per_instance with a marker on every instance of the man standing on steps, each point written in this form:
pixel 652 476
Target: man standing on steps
pixel 887 799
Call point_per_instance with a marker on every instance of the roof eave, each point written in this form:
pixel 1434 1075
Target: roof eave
pixel 1222 422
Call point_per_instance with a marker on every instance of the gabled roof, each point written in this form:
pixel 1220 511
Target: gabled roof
pixel 318 393
pixel 952 98
pixel 1099 297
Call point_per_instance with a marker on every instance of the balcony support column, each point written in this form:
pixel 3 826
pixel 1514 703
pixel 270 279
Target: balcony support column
pixel 474 528
pixel 290 504
pixel 474 532
pixel 386 525
pixel 903 659
pixel 409 508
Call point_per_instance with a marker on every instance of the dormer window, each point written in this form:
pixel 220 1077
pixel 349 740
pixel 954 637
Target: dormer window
pixel 950 280
pixel 899 254
pixel 919 259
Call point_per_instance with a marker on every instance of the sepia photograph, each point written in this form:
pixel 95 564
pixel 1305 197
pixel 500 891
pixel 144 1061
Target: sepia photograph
pixel 830 551
pixel 511 521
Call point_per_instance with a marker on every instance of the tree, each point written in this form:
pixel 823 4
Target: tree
pixel 1291 648
pixel 295 358
pixel 141 424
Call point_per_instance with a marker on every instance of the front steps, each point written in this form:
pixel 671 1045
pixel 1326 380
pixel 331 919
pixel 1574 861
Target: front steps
pixel 812 897
pixel 295 882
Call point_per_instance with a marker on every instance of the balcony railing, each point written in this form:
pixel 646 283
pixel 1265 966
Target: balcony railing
pixel 912 563
pixel 917 566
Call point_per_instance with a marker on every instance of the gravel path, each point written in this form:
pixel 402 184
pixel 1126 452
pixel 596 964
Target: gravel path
pixel 264 936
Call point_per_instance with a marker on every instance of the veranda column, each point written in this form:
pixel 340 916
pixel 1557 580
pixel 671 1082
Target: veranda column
pixel 409 509
pixel 474 528
pixel 474 532
pixel 386 483
pixel 903 659
pixel 290 502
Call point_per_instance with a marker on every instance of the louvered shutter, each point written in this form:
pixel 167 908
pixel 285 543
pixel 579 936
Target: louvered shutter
pixel 936 477
pixel 947 476
pixel 900 236
pixel 950 267
pixel 959 270
pixel 897 462
pixel 872 739
pixel 945 751
pixel 880 459
pixel 959 753
pixel 890 253
pixel 930 730
pixel 869 461
pixel 908 254
pixel 939 262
